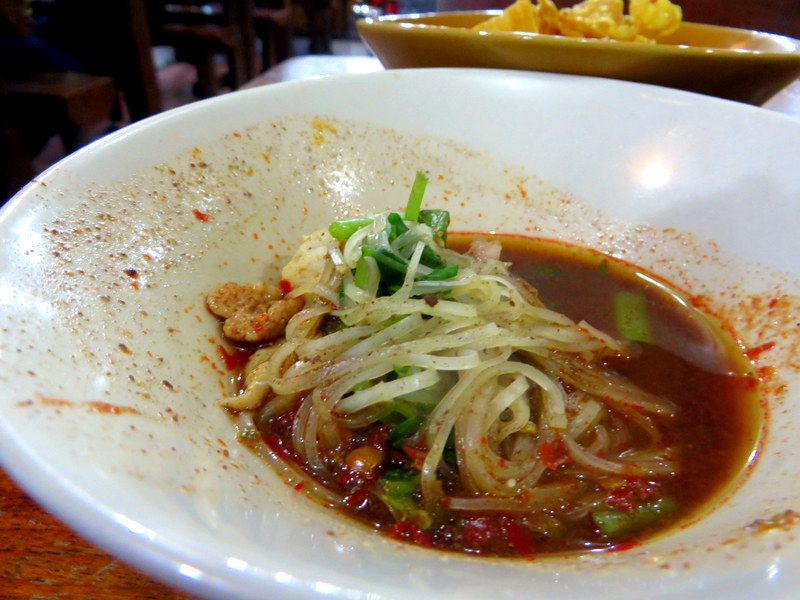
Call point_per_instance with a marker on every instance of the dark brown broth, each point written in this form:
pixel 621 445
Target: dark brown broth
pixel 691 360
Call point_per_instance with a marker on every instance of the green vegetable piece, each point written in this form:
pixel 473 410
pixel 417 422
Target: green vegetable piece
pixel 402 371
pixel 614 523
pixel 421 518
pixel 400 488
pixel 429 258
pixel 360 275
pixel 401 503
pixel 440 274
pixel 630 312
pixel 404 420
pixel 388 263
pixel 399 475
pixel 449 452
pixel 602 268
pixel 402 430
pixel 545 271
pixel 438 220
pixel 342 230
pixel 397 226
pixel 415 197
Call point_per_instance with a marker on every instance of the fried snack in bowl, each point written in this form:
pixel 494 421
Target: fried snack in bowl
pixel 737 64
pixel 647 21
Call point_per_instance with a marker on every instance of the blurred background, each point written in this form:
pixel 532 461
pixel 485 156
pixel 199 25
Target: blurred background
pixel 74 70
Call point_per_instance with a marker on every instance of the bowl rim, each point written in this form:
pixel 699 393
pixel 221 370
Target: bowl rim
pixel 411 21
pixel 163 564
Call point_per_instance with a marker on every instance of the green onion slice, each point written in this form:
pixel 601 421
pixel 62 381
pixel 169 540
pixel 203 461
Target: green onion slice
pixel 342 230
pixel 630 312
pixel 415 197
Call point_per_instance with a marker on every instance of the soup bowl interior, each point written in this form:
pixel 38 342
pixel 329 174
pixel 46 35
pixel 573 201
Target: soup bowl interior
pixel 110 411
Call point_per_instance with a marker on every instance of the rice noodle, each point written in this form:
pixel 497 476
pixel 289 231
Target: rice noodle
pixel 476 353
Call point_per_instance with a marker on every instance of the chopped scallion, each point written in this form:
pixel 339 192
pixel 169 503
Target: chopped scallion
pixel 440 274
pixel 415 197
pixel 615 523
pixel 342 230
pixel 361 272
pixel 389 264
pixel 397 226
pixel 630 312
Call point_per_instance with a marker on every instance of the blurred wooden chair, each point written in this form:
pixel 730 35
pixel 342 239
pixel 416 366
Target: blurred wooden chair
pixel 274 23
pixel 772 16
pixel 202 30
pixel 46 90
pixel 109 39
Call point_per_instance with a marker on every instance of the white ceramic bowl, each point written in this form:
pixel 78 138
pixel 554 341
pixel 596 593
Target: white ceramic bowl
pixel 111 375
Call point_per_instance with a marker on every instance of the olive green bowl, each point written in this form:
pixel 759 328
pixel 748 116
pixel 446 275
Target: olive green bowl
pixel 736 64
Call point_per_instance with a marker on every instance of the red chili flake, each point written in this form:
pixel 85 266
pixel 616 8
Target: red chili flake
pixel 765 372
pixel 279 447
pixel 754 353
pixel 554 454
pixel 480 531
pixel 357 500
pixel 624 502
pixel 415 454
pixel 350 478
pixel 409 532
pixel 235 360
pixel 520 538
pixel 200 216
pixel 132 273
pixel 630 495
pixel 112 409
pixel 622 546
pixel 285 286
pixel 299 486
pixel 135 285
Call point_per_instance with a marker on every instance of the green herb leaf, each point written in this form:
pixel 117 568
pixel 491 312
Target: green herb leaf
pixel 438 220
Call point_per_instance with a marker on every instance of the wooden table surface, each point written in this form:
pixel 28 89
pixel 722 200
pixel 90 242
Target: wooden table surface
pixel 40 559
